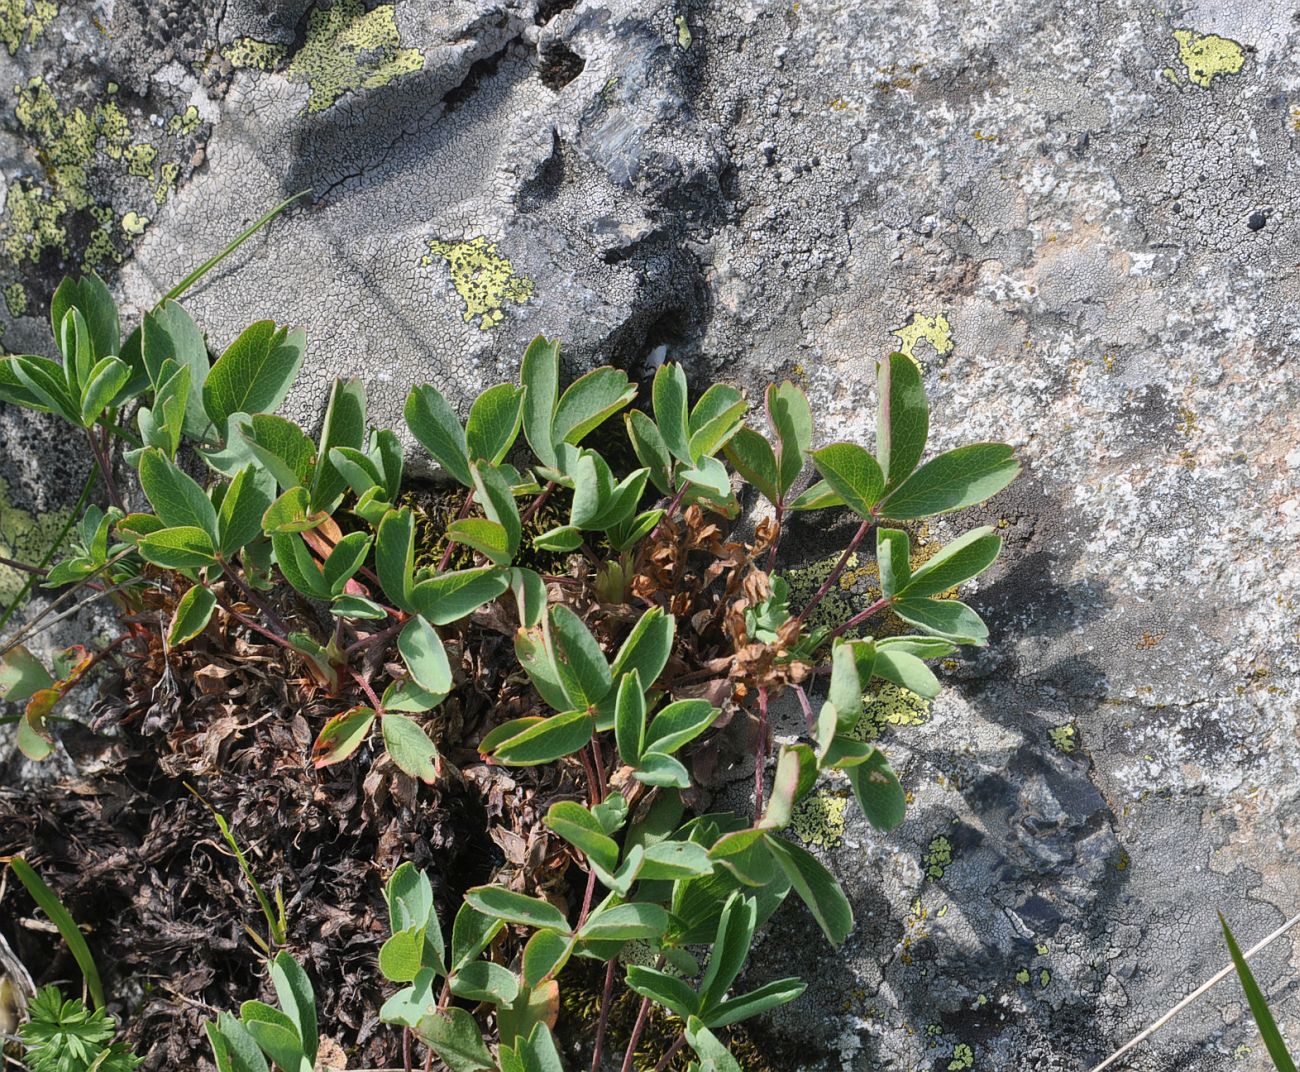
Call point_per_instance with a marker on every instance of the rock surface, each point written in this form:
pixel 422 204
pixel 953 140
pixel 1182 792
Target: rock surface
pixel 1078 218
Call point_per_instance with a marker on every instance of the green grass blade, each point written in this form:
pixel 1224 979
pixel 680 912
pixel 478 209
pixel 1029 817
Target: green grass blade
pixel 1258 1006
pixel 207 266
pixel 62 919
pixel 274 922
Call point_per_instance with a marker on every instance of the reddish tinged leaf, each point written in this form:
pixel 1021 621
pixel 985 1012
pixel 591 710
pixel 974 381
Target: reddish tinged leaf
pixel 341 736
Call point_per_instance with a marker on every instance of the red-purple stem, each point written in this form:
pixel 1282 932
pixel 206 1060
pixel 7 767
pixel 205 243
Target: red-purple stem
pixel 667 1058
pixel 760 756
pixel 603 1023
pixel 859 618
pixel 834 575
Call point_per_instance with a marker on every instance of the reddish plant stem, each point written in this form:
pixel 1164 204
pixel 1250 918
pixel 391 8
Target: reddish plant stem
pixel 602 1024
pixel 598 755
pixel 807 707
pixel 859 618
pixel 105 464
pixel 406 1049
pixel 464 513
pixel 643 1014
pixel 370 693
pixel 593 782
pixel 255 599
pixel 587 897
pixel 776 540
pixel 372 638
pixel 248 623
pixel 834 575
pixel 673 1050
pixel 760 756
pixel 537 503
pixel 35 571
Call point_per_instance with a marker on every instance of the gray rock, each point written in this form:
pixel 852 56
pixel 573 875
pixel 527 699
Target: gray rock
pixel 1081 221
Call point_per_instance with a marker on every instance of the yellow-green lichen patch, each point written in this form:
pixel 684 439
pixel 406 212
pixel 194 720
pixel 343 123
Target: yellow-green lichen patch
pixel 683 33
pixel 100 247
pixel 937 857
pixel 248 52
pixel 349 48
pixel 139 159
pixel 962 1057
pixel 922 328
pixel 483 278
pixel 818 820
pixel 167 176
pixel 32 223
pixel 1022 976
pixel 16 299
pixel 24 537
pixel 1208 56
pixel 133 224
pixel 23 21
pixel 1063 738
pixel 185 123
pixel 889 705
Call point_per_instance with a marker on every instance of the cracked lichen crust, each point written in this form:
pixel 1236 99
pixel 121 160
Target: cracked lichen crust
pixel 347 49
pixel 483 278
pixel 23 21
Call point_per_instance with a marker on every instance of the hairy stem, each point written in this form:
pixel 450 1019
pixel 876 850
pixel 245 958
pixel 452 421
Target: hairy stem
pixel 602 1024
pixel 406 1049
pixel 373 638
pixel 105 463
pixel 642 1015
pixel 760 756
pixel 256 600
pixel 807 707
pixel 673 1050
pixel 834 575
pixel 776 540
pixel 537 503
pixel 370 692
pixel 464 513
pixel 261 630
pixel 859 618
pixel 23 567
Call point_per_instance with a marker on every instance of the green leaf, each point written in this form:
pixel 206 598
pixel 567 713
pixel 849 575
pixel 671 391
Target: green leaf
pixel 180 547
pixel 471 932
pixel 966 557
pixel 545 955
pixel 580 663
pixel 790 416
pixel 756 1002
pixel 647 647
pixel 583 831
pixel 239 521
pixel 174 495
pixel 902 418
pixel 299 565
pixel 233 1047
pixel 678 723
pixel 410 747
pixel 709 475
pixel 411 1004
pixel 44 380
pixel 668 399
pixel 388 449
pixel 902 668
pixel 880 797
pixel 818 496
pixel 655 768
pixel 893 553
pixel 255 372
pixel 452 596
pixel 714 1056
pixel 22 675
pixel 547 740
pixel 282 447
pixel 1273 1041
pixel 533 650
pixel 347 557
pixel 341 736
pixel 629 719
pixel 625 923
pixel 486 537
pixel 49 903
pixel 675 859
pixel 498 503
pixel 484 981
pixel 408 696
pixel 751 455
pixel 845 694
pixel 12 387
pixel 650 448
pixel 561 539
pixel 294 991
pixel 92 300
pixel 455 1038
pixel 291 512
pixel 953 480
pixel 192 615
pixel 102 387
pixel 511 907
pixel 852 474
pixel 540 375
pixel 529 591
pixel 494 422
pixel 674 994
pixel 947 618
pixel 395 557
pixel 714 420
pixel 796 771
pixel 401 957
pixel 357 468
pixel 345 426
pixel 425 657
pixel 816 886
pixel 589 401
pixel 923 647
pixel 168 332
pixel 438 430
pixel 735 934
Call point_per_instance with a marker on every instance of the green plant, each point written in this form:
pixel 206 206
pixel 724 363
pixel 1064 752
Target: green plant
pixel 1273 1041
pixel 287 1036
pixel 639 658
pixel 62 1035
pixel 62 919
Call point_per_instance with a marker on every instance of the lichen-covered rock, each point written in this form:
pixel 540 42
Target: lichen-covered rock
pixel 1079 219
